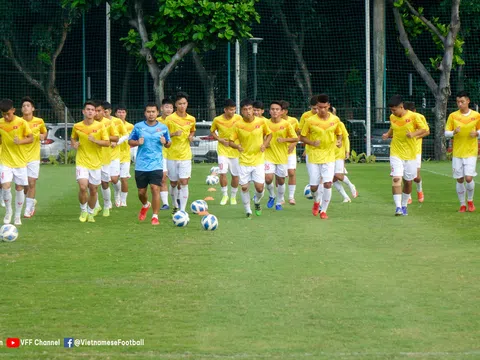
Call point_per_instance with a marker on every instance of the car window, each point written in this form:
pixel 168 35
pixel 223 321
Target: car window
pixel 60 133
pixel 202 131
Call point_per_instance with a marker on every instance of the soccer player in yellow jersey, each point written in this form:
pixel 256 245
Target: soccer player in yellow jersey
pixel 322 132
pixel 405 127
pixel 276 155
pixel 305 116
pixel 15 134
pixel 32 153
pixel 292 153
pixel 182 129
pixel 464 126
pixel 259 109
pixel 121 113
pixel 166 110
pixel 107 170
pixel 341 154
pixel 253 135
pixel 221 129
pixel 88 137
pixel 410 105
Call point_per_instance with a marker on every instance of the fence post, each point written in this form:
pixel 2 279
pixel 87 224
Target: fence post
pixel 66 133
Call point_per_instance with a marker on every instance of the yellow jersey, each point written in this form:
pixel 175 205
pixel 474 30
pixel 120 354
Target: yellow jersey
pixel 32 151
pixel 111 131
pixel 420 141
pixel 89 154
pixel 224 129
pixel 13 155
pixel 341 152
pixel 464 145
pixel 250 136
pixel 326 131
pixel 403 147
pixel 303 118
pixel 180 148
pixel 277 153
pixel 124 147
pixel 164 149
pixel 294 122
pixel 120 127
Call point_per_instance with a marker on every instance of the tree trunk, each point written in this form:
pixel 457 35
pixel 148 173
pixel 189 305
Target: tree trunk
pixel 159 89
pixel 57 104
pixel 440 111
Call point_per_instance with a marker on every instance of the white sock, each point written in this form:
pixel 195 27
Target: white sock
pixel 461 193
pixel 470 186
pixel 281 194
pixel 340 189
pixel 123 197
pixel 317 195
pixel 405 198
pixel 19 200
pixel 224 190
pixel 419 186
pixel 173 194
pixel 29 204
pixel 107 194
pixel 327 195
pixel 89 210
pixel 83 207
pixel 183 197
pixel 291 191
pixel 246 201
pixel 233 192
pixel 346 180
pixel 258 196
pixel 155 216
pixel 7 197
pixel 271 190
pixel 397 199
pixel 164 197
pixel 97 204
pixel 116 189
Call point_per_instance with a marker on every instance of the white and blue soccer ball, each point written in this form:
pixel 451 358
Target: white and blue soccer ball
pixel 199 206
pixel 212 180
pixel 210 222
pixel 8 232
pixel 180 218
pixel 307 192
pixel 214 170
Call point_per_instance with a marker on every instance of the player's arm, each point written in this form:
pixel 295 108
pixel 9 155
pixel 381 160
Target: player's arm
pixel 43 131
pixel 103 141
pixel 450 131
pixel 292 137
pixel 388 134
pixel 166 140
pixel 73 139
pixel 113 134
pixel 134 139
pixel 231 141
pixel 28 139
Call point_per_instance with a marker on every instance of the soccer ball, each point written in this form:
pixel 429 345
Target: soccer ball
pixel 181 219
pixel 198 206
pixel 210 222
pixel 307 192
pixel 212 180
pixel 214 170
pixel 8 232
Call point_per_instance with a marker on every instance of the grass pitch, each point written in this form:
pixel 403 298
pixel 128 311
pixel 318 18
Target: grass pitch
pixel 361 285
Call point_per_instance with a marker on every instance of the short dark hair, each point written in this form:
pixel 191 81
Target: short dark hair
pixel 277 102
pixel 98 103
pixel 463 93
pixel 323 98
pixel 28 99
pixel 167 101
pixel 106 105
pixel 6 105
pixel 314 100
pixel 257 105
pixel 229 103
pixel 120 107
pixel 395 100
pixel 248 102
pixel 409 105
pixel 89 102
pixel 150 104
pixel 284 104
pixel 181 95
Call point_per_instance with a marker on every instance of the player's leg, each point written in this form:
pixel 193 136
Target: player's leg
pixel 396 173
pixel 281 173
pixel 142 180
pixel 409 173
pixel 234 172
pixel 164 187
pixel 314 181
pixel 82 180
pixel 172 167
pixel 156 178
pixel 292 177
pixel 33 169
pixel 327 171
pixel 20 179
pixel 7 178
pixel 351 186
pixel 470 165
pixel 338 178
pixel 222 174
pixel 244 181
pixel 418 180
pixel 269 175
pixel 458 175
pixel 115 177
pixel 92 195
pixel 185 172
pixel 258 178
pixel 124 176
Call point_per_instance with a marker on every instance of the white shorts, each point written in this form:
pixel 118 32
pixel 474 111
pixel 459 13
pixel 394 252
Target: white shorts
pixel 17 175
pixel 403 168
pixel 115 168
pixel 463 167
pixel 94 176
pixel 125 170
pixel 252 173
pixel 133 153
pixel 105 173
pixel 33 169
pixel 278 169
pixel 419 161
pixel 164 165
pixel 226 163
pixel 292 161
pixel 340 167
pixel 321 173
pixel 179 169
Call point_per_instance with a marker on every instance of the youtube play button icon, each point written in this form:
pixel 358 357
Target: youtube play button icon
pixel 13 342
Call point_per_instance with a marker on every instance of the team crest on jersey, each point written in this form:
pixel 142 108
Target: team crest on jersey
pixel 15 127
pixel 257 126
pixel 281 128
pixel 95 130
pixel 158 130
pixel 407 120
pixel 332 123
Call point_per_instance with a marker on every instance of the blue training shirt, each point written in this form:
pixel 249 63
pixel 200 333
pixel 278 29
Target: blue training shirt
pixel 149 155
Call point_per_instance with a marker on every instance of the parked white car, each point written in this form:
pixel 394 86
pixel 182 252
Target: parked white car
pixel 204 146
pixel 54 144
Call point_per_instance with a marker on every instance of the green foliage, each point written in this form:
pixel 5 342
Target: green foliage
pixel 356 158
pixel 71 155
pixel 52 160
pixel 370 159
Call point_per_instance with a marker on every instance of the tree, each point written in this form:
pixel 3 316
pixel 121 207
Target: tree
pixel 411 22
pixel 34 49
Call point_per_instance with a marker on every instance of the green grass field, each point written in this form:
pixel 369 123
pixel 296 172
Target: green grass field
pixel 363 284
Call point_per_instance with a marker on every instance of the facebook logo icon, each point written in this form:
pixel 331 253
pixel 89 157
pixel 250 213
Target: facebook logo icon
pixel 68 342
